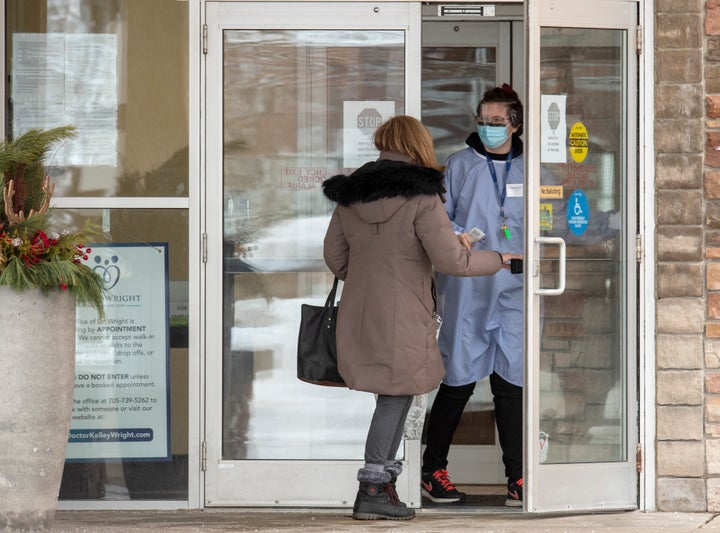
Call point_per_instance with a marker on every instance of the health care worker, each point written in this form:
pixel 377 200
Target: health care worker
pixel 482 331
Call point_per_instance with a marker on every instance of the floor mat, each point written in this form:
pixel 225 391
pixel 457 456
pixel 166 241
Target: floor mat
pixel 472 500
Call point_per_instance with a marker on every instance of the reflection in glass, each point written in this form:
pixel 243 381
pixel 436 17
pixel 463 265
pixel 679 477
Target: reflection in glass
pixel 285 93
pixel 127 479
pixel 118 74
pixel 583 344
pixel 453 82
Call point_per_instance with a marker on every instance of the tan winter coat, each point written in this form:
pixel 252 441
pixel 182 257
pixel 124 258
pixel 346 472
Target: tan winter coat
pixel 388 230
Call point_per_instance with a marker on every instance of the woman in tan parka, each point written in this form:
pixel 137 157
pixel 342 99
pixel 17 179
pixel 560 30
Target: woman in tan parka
pixel 386 234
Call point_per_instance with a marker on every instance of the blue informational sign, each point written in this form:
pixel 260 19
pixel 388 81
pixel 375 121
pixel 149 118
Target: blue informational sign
pixel 578 212
pixel 122 393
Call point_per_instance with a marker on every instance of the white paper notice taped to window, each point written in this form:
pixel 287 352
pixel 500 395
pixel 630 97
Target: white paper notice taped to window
pixel 553 128
pixel 68 79
pixel 360 120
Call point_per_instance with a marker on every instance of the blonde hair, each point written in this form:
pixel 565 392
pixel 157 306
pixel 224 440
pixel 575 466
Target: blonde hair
pixel 406 135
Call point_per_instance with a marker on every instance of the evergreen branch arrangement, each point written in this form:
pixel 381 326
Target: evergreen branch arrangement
pixel 32 254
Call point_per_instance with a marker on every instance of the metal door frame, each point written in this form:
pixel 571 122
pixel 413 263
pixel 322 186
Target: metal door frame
pixel 198 293
pixel 603 15
pixel 219 476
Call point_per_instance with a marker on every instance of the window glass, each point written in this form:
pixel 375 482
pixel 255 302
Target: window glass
pixel 298 106
pixel 584 343
pixel 110 68
pixel 117 468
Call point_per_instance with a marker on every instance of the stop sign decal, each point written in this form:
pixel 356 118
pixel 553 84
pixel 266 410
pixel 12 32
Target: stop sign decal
pixel 368 120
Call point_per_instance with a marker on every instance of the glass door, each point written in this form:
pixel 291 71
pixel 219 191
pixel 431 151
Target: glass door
pixel 581 299
pixel 290 101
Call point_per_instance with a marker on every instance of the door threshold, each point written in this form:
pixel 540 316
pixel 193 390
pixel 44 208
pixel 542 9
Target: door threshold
pixel 468 509
pixel 479 499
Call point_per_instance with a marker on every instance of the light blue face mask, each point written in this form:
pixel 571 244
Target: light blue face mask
pixel 492 136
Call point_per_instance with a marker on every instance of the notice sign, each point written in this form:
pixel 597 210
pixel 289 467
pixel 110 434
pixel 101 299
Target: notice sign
pixel 552 128
pixel 304 178
pixel 578 140
pixel 578 212
pixel 360 120
pixel 121 403
pixel 60 79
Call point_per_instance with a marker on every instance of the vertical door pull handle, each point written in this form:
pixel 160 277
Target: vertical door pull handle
pixel 561 274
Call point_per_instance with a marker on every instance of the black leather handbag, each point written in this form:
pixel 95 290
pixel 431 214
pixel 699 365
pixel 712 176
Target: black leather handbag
pixel 317 351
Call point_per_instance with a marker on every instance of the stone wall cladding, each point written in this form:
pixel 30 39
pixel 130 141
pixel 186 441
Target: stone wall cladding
pixel 687 170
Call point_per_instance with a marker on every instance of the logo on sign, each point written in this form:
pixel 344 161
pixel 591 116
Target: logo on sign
pixel 553 116
pixel 368 120
pixel 108 270
pixel 578 212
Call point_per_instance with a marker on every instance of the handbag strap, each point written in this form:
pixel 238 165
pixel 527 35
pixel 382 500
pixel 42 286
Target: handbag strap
pixel 331 297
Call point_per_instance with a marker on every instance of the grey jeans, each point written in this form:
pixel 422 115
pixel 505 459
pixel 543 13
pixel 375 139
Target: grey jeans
pixel 384 436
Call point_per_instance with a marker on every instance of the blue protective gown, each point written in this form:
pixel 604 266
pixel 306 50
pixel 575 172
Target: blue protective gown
pixel 482 329
pixel 483 324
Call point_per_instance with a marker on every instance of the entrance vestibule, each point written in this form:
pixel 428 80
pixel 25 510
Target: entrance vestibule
pixel 289 103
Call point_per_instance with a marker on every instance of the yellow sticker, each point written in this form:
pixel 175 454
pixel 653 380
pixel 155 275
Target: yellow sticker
pixel 546 217
pixel 551 191
pixel 578 142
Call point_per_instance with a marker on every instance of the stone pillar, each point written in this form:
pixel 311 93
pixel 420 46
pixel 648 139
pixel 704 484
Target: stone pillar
pixel 680 143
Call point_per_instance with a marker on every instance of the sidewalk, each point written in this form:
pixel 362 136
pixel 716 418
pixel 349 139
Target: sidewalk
pixel 426 521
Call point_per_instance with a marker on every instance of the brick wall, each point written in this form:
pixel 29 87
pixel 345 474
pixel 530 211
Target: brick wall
pixel 687 170
pixel 711 230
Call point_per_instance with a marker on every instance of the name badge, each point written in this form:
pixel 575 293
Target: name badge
pixel 514 190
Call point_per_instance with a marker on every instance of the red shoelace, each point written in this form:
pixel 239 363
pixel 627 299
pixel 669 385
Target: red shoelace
pixel 442 477
pixel 392 494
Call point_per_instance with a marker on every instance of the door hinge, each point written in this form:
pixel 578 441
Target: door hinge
pixel 204 39
pixel 203 456
pixel 639 458
pixel 204 247
pixel 638 40
pixel 638 248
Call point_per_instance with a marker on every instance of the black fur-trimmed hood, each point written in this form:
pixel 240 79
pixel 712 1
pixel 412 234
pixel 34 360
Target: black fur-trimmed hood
pixel 383 179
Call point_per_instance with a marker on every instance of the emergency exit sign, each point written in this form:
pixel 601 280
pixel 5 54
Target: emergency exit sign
pixel 466 10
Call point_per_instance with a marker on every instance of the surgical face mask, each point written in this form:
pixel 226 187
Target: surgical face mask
pixel 492 136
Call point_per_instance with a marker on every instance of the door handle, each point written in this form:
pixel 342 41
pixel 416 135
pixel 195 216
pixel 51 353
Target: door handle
pixel 561 281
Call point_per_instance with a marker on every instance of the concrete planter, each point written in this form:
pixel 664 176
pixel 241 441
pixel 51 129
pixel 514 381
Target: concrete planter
pixel 37 365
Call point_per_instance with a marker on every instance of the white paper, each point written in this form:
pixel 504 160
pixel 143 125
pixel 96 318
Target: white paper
pixel 553 128
pixel 360 120
pixel 68 79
